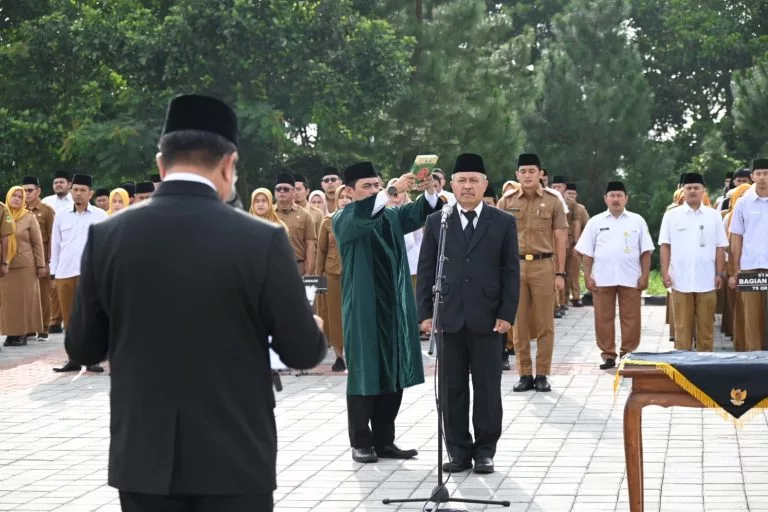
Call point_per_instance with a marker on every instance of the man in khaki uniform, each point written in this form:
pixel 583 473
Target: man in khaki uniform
pixel 44 215
pixel 330 182
pixel 542 233
pixel 301 227
pixel 573 262
pixel 301 197
pixel 574 227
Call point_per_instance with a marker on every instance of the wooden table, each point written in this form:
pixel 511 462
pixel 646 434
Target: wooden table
pixel 649 387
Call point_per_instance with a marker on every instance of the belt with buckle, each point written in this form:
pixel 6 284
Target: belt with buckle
pixel 531 257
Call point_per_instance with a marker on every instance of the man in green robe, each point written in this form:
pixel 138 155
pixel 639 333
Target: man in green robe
pixel 381 331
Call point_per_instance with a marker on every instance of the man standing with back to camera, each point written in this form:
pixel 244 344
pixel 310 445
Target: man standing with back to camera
pixel 201 438
pixel 482 281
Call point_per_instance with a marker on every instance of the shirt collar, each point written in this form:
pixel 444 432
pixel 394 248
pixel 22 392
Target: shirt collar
pixel 608 213
pixel 189 176
pixel 88 208
pixel 687 209
pixel 477 209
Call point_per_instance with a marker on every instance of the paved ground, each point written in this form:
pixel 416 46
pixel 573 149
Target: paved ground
pixel 560 451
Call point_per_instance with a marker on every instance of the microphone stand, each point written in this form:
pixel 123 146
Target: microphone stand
pixel 440 492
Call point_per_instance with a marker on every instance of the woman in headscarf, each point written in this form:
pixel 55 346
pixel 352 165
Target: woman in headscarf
pixel 318 202
pixel 262 206
pixel 736 319
pixel 329 264
pixel 118 200
pixel 20 310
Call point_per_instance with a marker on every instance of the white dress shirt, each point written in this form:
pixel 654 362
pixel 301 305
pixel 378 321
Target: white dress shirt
pixel 413 249
pixel 59 203
pixel 750 220
pixel 450 196
pixel 464 221
pixel 70 232
pixel 189 176
pixel 615 244
pixel 694 237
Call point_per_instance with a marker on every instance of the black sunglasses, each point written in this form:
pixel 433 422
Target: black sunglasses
pixel 283 189
pixel 332 179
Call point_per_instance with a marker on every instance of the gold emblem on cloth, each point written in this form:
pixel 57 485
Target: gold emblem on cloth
pixel 738 396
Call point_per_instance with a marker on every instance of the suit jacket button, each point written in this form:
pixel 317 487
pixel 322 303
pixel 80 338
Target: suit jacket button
pixel 466 280
pixel 467 260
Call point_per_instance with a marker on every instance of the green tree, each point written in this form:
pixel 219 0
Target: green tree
pixel 592 115
pixel 750 111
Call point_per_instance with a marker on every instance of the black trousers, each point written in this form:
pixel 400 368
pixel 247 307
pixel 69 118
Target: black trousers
pixel 378 410
pixel 135 502
pixel 478 354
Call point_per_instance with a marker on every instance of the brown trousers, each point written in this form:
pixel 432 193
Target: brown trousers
pixel 694 313
pixel 537 299
pixel 604 301
pixel 53 295
pixel 753 311
pixel 738 320
pixel 66 289
pixel 333 325
pixel 572 266
pixel 45 301
pixel 670 312
pixel 302 268
pixel 726 325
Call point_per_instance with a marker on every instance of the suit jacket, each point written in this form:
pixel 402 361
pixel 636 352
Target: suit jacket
pixel 182 292
pixel 482 277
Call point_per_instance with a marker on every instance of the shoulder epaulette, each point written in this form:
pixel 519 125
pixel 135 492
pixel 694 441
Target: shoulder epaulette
pixel 553 192
pixel 510 193
pixel 672 206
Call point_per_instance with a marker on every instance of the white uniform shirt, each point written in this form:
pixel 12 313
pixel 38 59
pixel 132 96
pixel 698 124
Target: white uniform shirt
pixel 59 203
pixel 615 244
pixel 70 232
pixel 693 237
pixel 750 220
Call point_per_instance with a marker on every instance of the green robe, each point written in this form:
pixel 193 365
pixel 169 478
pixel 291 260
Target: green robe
pixel 378 309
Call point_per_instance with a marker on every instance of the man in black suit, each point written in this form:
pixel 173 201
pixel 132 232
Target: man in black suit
pixel 192 424
pixel 482 287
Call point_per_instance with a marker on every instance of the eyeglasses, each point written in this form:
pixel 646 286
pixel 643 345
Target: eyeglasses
pixel 29 190
pixel 283 189
pixel 330 179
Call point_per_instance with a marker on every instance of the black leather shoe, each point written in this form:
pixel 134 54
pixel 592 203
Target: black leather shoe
pixel 55 329
pixel 457 466
pixel 505 361
pixel 484 465
pixel 524 384
pixel 95 368
pixel 622 354
pixel 42 336
pixel 364 455
pixel 671 338
pixel 16 341
pixel 393 452
pixel 339 365
pixel 68 367
pixel 541 384
pixel 558 313
pixel 608 364
pixel 577 303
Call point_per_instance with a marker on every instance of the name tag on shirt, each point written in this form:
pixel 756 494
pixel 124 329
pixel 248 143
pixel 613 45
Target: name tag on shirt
pixel 604 229
pixel 515 209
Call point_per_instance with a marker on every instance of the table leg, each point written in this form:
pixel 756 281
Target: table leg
pixel 633 450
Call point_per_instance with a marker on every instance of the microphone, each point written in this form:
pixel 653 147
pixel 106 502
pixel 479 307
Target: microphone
pixel 445 213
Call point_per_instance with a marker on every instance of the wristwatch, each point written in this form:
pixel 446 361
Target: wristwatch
pixel 561 274
pixel 392 191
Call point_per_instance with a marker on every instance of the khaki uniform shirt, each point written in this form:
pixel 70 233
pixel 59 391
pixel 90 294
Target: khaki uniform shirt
pixel 583 215
pixel 331 203
pixel 328 257
pixel 537 219
pixel 44 215
pixel 572 217
pixel 317 216
pixel 6 228
pixel 301 229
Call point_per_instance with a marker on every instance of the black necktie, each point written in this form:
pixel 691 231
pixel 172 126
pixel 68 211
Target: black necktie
pixel 470 229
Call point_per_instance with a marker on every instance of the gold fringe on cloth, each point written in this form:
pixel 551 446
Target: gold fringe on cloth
pixel 680 379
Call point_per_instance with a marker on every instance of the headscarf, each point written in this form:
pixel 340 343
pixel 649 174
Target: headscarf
pixel 678 197
pixel 271 215
pixel 509 184
pixel 738 193
pixel 705 201
pixel 321 195
pixel 15 216
pixel 123 195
